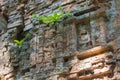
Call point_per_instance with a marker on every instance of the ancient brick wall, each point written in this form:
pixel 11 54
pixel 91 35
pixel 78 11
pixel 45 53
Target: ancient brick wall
pixel 84 46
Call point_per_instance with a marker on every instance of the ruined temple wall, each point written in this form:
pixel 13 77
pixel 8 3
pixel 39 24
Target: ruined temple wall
pixel 75 49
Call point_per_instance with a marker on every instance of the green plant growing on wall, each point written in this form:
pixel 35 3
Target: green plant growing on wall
pixel 19 43
pixel 53 18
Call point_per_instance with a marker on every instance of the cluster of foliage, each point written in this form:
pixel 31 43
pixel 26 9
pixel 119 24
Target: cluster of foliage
pixel 51 18
pixel 19 43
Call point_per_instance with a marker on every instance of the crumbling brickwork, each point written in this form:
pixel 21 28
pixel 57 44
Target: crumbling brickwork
pixel 84 46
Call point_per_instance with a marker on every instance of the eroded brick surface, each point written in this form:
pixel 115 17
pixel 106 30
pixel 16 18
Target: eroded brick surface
pixel 82 47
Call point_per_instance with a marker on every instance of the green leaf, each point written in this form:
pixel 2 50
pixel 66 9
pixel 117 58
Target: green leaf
pixel 17 42
pixel 59 16
pixel 44 19
pixel 55 16
pixel 21 41
pixel 51 19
